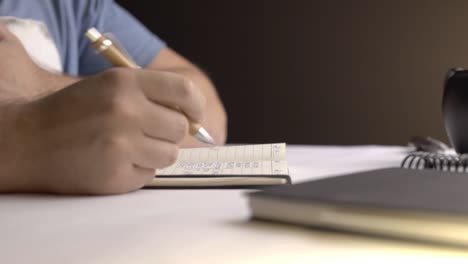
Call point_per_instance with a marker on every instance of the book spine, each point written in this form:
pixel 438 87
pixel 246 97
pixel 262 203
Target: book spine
pixel 434 161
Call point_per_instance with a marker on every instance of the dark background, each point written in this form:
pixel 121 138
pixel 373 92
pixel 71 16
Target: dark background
pixel 320 72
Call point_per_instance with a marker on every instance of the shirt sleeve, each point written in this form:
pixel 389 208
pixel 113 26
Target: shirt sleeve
pixel 108 17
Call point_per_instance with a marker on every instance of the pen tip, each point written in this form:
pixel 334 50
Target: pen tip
pixel 203 136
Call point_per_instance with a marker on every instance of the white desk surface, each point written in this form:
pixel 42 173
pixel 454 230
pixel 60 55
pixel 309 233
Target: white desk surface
pixel 198 226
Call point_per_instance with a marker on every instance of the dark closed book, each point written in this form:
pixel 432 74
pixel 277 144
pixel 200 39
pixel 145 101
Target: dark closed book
pixel 425 205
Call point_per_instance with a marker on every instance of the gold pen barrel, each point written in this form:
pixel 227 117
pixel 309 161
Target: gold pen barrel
pixel 115 57
pixel 109 49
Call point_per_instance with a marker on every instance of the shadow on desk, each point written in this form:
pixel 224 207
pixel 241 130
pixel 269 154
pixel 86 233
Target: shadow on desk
pixel 332 235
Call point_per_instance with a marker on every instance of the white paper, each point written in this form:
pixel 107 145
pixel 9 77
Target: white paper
pixel 262 159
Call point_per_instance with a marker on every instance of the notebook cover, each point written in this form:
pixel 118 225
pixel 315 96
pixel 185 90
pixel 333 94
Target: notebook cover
pixel 393 188
pixel 286 177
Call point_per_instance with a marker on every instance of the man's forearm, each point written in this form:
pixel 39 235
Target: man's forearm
pixel 46 84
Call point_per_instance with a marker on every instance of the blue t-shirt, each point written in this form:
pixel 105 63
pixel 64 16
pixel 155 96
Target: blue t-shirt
pixel 68 20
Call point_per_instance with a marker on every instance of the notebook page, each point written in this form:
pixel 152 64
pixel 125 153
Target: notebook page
pixel 262 159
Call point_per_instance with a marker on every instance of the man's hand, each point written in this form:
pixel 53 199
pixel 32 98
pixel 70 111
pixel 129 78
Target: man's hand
pixel 102 135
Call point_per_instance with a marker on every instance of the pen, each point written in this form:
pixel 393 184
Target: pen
pixel 107 47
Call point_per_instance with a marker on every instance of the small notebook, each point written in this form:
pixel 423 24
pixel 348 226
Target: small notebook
pixel 227 166
pixel 421 205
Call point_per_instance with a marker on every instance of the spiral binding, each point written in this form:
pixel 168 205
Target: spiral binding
pixel 436 161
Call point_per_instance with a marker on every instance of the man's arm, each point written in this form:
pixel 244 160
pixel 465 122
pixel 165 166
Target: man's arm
pixel 215 120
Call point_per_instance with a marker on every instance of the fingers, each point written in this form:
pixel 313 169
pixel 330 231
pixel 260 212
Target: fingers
pixel 164 123
pixel 153 153
pixel 145 175
pixel 163 102
pixel 174 91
